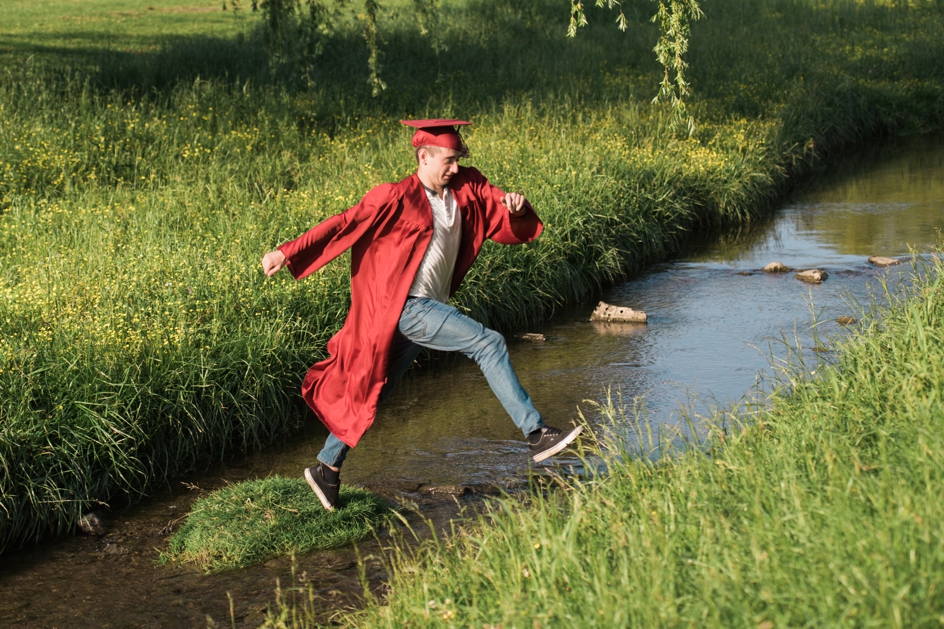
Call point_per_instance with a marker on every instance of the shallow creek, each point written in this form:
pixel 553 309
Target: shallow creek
pixel 443 441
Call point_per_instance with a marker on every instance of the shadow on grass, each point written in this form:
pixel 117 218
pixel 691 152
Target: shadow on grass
pixel 512 48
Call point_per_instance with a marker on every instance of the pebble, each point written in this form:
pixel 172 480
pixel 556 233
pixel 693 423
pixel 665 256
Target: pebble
pixel 114 549
pixel 449 490
pixel 92 524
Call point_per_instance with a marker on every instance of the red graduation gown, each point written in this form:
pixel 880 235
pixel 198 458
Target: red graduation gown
pixel 388 232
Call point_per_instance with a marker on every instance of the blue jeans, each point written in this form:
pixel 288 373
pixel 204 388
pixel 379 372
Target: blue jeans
pixel 428 323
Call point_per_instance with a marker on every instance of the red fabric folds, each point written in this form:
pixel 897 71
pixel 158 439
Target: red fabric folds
pixel 388 233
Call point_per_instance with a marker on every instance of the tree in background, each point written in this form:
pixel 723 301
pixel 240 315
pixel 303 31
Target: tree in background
pixel 295 32
pixel 673 17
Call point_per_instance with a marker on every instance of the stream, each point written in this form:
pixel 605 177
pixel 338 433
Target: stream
pixel 716 326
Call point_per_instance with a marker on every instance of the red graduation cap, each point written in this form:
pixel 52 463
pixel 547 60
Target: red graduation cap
pixel 437 132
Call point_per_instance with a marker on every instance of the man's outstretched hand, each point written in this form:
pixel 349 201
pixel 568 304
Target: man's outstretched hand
pixel 273 262
pixel 514 201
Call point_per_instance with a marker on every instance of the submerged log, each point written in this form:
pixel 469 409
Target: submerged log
pixel 813 276
pixel 617 314
pixel 883 261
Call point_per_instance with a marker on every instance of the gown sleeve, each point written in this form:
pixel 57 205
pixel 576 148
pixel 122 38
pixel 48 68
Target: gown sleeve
pixel 500 225
pixel 324 242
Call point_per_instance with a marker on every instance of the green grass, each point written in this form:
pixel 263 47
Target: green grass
pixel 140 185
pixel 52 25
pixel 252 521
pixel 821 510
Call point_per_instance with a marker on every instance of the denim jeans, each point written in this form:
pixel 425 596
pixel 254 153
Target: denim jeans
pixel 428 323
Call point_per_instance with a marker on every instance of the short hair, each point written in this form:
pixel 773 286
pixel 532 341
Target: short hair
pixel 434 151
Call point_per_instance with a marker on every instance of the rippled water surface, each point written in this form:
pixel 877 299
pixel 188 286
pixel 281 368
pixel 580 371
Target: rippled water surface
pixel 714 322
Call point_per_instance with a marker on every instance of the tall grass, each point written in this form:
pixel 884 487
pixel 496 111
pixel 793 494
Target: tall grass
pixel 822 509
pixel 138 190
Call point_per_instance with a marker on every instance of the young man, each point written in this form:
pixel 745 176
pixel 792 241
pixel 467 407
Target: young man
pixel 411 245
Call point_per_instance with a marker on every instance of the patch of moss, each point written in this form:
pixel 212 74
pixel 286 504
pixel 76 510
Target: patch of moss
pixel 255 520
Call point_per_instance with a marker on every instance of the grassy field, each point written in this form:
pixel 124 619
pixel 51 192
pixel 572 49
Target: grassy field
pixel 143 175
pixel 822 510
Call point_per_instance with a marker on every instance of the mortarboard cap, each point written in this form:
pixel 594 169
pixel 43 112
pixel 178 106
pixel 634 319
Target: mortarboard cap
pixel 437 132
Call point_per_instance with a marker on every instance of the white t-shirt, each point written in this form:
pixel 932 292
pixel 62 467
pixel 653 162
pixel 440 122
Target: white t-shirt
pixel 434 277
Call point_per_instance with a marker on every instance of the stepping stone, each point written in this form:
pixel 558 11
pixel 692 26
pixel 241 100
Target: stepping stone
pixel 813 276
pixel 777 267
pixel 617 314
pixel 881 261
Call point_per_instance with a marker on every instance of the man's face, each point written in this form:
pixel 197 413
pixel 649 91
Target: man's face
pixel 439 168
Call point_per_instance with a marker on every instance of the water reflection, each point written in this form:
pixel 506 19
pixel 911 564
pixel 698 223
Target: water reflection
pixel 896 203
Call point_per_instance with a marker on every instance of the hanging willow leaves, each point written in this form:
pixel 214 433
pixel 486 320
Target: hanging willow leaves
pixel 295 31
pixel 371 34
pixel 673 18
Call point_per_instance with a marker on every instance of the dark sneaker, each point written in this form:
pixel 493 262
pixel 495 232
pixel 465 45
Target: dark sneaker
pixel 327 493
pixel 548 441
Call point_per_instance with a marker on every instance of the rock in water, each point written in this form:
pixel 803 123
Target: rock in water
pixel 845 320
pixel 777 267
pixel 617 314
pixel 115 549
pixel 92 524
pixel 813 276
pixel 534 337
pixel 882 261
pixel 448 490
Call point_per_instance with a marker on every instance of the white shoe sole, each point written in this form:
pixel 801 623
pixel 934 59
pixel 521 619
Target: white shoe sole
pixel 311 482
pixel 559 446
